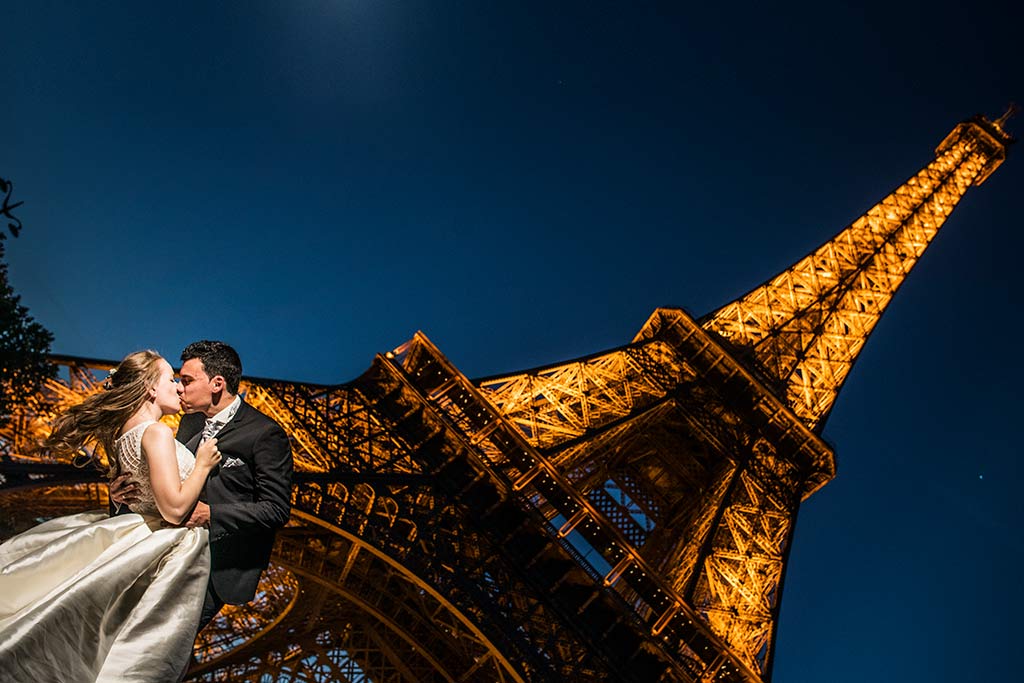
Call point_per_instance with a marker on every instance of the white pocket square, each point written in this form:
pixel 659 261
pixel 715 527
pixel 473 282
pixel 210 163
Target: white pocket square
pixel 232 462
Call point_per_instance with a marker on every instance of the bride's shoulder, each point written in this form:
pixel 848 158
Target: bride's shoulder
pixel 157 432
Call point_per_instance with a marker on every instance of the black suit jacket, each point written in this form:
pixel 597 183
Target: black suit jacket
pixel 248 501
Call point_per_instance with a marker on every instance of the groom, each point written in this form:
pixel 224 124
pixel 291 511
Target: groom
pixel 248 497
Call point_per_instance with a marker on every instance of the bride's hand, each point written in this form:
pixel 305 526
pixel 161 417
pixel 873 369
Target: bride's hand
pixel 207 456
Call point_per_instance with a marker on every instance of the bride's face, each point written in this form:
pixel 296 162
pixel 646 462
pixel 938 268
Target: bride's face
pixel 166 390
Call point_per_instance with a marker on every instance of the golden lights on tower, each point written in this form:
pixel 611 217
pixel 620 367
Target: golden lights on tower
pixel 628 513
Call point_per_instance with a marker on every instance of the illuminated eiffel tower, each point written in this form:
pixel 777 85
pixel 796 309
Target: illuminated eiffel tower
pixel 622 516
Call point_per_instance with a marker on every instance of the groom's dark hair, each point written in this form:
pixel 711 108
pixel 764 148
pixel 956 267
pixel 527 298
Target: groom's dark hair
pixel 218 359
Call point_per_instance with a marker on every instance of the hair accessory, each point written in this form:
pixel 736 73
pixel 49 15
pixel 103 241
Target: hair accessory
pixel 108 383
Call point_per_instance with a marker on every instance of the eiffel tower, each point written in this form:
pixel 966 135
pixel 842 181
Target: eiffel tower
pixel 622 516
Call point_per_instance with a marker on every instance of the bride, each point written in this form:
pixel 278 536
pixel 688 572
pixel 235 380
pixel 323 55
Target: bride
pixel 89 597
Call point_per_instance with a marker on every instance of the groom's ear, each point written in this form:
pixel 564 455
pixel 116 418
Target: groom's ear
pixel 217 384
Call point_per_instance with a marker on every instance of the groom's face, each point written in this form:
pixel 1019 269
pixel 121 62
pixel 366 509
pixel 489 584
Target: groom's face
pixel 195 390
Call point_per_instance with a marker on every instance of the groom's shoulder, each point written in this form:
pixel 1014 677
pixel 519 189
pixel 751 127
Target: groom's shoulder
pixel 260 417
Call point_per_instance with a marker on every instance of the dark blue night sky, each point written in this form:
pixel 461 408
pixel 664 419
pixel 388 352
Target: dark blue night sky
pixel 525 182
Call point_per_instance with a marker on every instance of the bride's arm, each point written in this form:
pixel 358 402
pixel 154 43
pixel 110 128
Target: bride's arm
pixel 174 498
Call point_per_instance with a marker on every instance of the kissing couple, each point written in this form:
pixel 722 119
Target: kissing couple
pixel 97 596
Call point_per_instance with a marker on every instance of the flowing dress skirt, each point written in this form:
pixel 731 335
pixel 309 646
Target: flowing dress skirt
pixel 89 597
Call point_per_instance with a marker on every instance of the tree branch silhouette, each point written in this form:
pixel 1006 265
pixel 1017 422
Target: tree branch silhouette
pixel 24 343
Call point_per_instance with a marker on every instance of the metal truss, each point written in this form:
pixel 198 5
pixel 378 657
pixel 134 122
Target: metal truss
pixel 697 482
pixel 701 483
pixel 805 326
pixel 623 516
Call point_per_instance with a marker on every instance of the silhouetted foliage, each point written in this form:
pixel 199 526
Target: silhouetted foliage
pixel 24 343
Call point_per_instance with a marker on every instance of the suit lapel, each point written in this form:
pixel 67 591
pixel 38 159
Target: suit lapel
pixel 192 440
pixel 193 443
pixel 238 418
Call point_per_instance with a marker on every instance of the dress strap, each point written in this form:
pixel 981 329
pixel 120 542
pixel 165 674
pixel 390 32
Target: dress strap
pixel 132 430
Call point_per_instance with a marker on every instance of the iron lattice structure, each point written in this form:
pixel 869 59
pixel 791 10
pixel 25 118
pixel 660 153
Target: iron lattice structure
pixel 623 516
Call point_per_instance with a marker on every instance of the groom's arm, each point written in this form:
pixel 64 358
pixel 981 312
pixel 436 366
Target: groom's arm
pixel 272 471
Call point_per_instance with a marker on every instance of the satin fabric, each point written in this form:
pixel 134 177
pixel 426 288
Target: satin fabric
pixel 89 597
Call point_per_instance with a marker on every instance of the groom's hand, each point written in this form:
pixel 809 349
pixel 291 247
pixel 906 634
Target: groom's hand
pixel 200 516
pixel 122 490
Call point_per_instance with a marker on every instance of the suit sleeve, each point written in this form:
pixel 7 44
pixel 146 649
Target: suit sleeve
pixel 272 471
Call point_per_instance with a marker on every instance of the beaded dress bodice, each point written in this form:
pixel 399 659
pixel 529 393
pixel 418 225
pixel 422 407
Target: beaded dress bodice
pixel 129 454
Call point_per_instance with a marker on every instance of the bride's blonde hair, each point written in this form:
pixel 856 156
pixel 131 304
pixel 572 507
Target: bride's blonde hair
pixel 99 418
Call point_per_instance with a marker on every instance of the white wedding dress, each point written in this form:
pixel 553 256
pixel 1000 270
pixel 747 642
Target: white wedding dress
pixel 90 597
